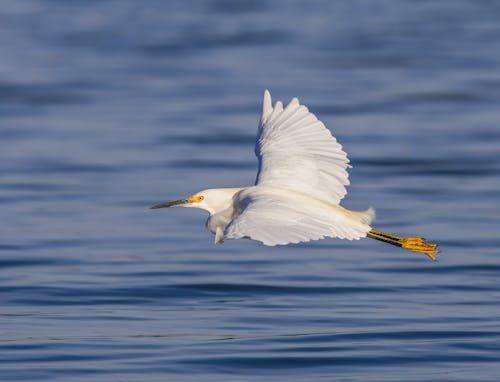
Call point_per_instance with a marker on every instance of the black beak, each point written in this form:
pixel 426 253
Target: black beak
pixel 170 204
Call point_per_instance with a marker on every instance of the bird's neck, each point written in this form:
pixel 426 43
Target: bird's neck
pixel 222 200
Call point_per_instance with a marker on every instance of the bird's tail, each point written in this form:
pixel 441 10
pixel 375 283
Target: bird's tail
pixel 414 244
pixel 367 216
pixel 364 217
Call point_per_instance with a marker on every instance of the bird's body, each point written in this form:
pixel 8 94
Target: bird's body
pixel 292 212
pixel 296 197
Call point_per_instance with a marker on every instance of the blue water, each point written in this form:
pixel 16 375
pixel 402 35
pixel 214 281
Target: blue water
pixel 109 107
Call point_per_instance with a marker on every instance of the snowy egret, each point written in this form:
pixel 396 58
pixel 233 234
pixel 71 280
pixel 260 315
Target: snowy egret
pixel 296 197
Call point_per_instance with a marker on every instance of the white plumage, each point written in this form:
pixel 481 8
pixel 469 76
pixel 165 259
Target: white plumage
pixel 298 153
pixel 278 216
pixel 300 182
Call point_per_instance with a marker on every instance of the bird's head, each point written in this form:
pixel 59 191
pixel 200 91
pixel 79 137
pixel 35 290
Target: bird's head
pixel 211 200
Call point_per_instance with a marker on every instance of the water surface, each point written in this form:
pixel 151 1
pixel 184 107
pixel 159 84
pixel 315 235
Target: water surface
pixel 109 107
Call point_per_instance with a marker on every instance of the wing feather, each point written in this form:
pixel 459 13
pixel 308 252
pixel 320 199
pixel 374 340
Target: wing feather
pixel 297 152
pixel 277 217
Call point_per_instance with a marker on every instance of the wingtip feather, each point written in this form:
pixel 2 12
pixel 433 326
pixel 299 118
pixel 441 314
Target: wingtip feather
pixel 294 102
pixel 267 106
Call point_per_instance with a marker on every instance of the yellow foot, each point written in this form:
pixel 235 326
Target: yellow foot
pixel 414 244
pixel 417 244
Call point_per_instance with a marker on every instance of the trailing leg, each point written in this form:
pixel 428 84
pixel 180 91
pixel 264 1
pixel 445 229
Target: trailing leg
pixel 414 244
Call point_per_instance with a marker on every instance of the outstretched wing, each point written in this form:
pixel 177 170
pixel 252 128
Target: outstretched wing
pixel 276 216
pixel 297 152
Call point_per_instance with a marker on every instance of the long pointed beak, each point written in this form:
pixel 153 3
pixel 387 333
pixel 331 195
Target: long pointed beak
pixel 170 204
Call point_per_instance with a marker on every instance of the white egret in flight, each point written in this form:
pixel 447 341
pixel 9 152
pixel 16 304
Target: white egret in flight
pixel 296 197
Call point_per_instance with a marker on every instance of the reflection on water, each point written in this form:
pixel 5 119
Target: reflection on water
pixel 109 107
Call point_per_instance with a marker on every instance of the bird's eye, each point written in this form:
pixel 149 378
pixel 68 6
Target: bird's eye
pixel 200 198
